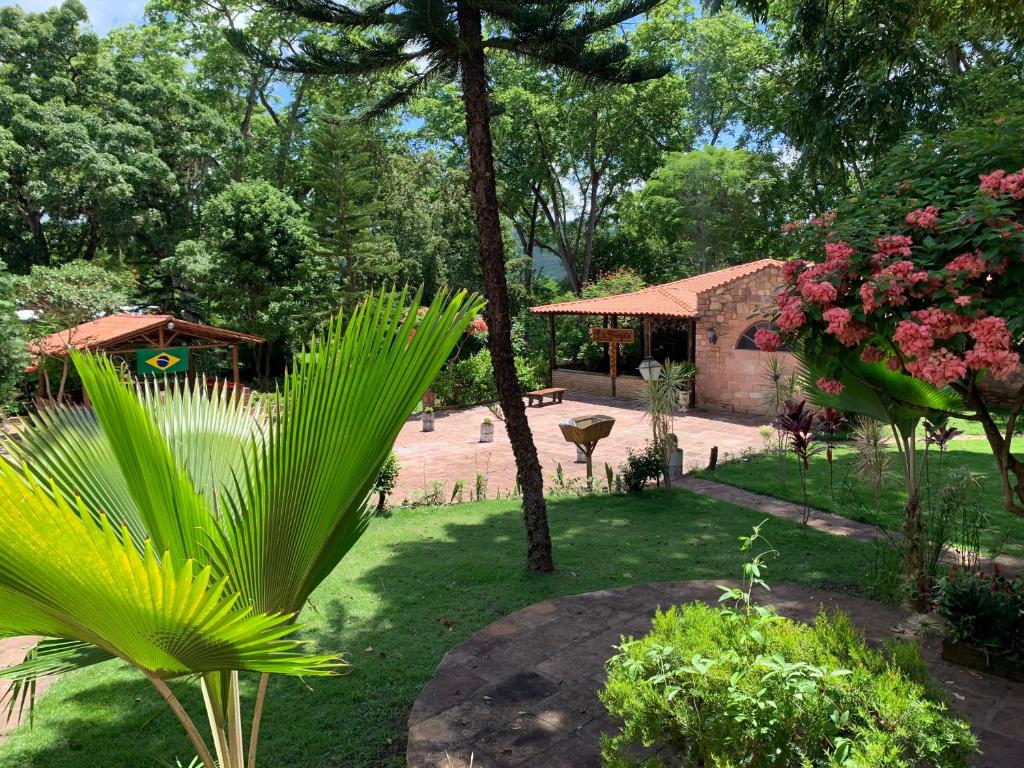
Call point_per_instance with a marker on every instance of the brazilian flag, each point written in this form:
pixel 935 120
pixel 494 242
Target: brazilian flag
pixel 157 361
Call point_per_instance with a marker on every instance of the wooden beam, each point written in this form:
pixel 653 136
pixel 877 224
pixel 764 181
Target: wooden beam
pixel 648 333
pixel 234 367
pixel 551 350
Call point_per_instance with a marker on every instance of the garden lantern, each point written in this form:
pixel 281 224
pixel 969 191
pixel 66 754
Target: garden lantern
pixel 650 369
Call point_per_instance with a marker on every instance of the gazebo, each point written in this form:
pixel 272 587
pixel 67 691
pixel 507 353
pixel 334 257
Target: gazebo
pixel 718 312
pixel 160 344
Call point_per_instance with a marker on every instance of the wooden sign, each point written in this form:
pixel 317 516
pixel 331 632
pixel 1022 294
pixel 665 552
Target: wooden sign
pixel 612 335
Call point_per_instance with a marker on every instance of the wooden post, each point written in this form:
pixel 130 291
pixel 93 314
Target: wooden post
pixel 551 350
pixel 691 356
pixel 613 357
pixel 234 367
pixel 648 333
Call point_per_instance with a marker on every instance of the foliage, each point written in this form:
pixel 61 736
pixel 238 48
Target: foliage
pixel 662 397
pixel 712 207
pixel 255 267
pixel 718 686
pixel 874 460
pixel 387 479
pixel 72 293
pixel 470 380
pixel 796 423
pixel 983 609
pixel 831 423
pixel 921 276
pixel 12 344
pixel 154 550
pixel 642 467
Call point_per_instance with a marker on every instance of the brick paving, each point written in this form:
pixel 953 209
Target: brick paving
pixel 453 451
pixel 522 692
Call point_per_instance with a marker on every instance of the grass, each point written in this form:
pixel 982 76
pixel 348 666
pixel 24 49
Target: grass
pixel 416 585
pixel 999 416
pixel 855 499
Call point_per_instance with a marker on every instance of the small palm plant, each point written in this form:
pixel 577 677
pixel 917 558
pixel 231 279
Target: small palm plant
pixel 183 533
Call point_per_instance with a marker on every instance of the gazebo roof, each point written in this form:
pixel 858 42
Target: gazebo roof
pixel 119 330
pixel 677 299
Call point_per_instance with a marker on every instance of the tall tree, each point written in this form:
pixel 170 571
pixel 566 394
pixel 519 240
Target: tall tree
pixel 712 207
pixel 419 42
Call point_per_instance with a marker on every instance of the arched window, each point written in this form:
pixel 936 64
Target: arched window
pixel 747 337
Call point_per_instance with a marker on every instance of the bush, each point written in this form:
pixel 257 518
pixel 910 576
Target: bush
pixel 471 379
pixel 717 687
pixel 641 468
pixel 985 610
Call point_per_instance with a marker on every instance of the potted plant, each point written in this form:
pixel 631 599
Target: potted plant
pixel 487 431
pixel 428 419
pixel 985 621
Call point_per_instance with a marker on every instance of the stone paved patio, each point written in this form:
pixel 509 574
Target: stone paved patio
pixel 453 452
pixel 522 691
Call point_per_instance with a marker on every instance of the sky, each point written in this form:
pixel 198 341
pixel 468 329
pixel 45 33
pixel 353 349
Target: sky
pixel 104 14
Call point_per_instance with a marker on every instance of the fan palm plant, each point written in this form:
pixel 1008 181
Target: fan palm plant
pixel 183 533
pixel 415 43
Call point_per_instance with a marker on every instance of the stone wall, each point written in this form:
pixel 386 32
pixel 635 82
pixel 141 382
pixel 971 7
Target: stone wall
pixel 588 383
pixel 732 379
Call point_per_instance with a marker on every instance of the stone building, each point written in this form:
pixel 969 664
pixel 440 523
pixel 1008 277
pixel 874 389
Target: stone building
pixel 708 319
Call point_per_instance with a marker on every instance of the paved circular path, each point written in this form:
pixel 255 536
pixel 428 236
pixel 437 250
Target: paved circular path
pixel 523 691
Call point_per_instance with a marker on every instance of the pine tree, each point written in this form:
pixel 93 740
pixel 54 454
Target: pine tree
pixel 423 41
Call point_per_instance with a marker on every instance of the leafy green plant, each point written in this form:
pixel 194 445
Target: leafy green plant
pixel 983 609
pixel 641 467
pixel 661 399
pixel 178 532
pixel 745 686
pixel 387 478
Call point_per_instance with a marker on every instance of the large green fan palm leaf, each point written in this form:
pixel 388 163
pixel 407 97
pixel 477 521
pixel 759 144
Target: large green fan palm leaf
pixel 305 497
pixel 65 574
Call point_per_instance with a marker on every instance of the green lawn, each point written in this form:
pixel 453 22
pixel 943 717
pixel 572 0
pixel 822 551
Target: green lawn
pixel 416 585
pixel 998 415
pixel 855 499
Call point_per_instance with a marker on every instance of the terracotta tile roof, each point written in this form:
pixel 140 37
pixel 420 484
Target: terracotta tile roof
pixel 676 299
pixel 122 328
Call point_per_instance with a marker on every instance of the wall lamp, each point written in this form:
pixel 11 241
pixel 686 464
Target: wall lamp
pixel 712 335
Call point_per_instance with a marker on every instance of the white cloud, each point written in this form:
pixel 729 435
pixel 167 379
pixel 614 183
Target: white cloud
pixel 103 14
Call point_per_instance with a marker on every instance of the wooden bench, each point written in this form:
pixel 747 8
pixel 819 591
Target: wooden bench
pixel 539 395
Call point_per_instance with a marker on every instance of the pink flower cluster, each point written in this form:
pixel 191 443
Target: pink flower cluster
pixel 940 366
pixel 971 263
pixel 925 218
pixel 831 386
pixel 791 226
pixel 819 293
pixel 479 325
pixel 841 325
pixel 894 245
pixel 837 255
pixel 872 354
pixel 792 316
pixel 792 268
pixel 992 348
pixel 767 340
pixel 896 279
pixel 1000 183
pixel 825 220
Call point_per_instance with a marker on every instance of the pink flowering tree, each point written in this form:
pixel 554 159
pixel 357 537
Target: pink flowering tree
pixel 914 291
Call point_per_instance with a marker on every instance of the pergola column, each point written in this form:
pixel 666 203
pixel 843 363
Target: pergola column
pixel 691 356
pixel 551 350
pixel 648 333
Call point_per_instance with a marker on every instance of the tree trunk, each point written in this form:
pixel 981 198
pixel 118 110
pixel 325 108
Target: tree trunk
pixel 492 263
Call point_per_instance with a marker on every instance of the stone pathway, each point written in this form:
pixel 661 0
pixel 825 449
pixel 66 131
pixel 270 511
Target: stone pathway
pixel 453 451
pixel 522 692
pixel 12 651
pixel 819 520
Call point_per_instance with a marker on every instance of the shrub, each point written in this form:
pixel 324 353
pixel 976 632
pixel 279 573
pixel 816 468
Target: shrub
pixel 386 481
pixel 471 379
pixel 726 687
pixel 641 467
pixel 983 609
pixel 720 688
